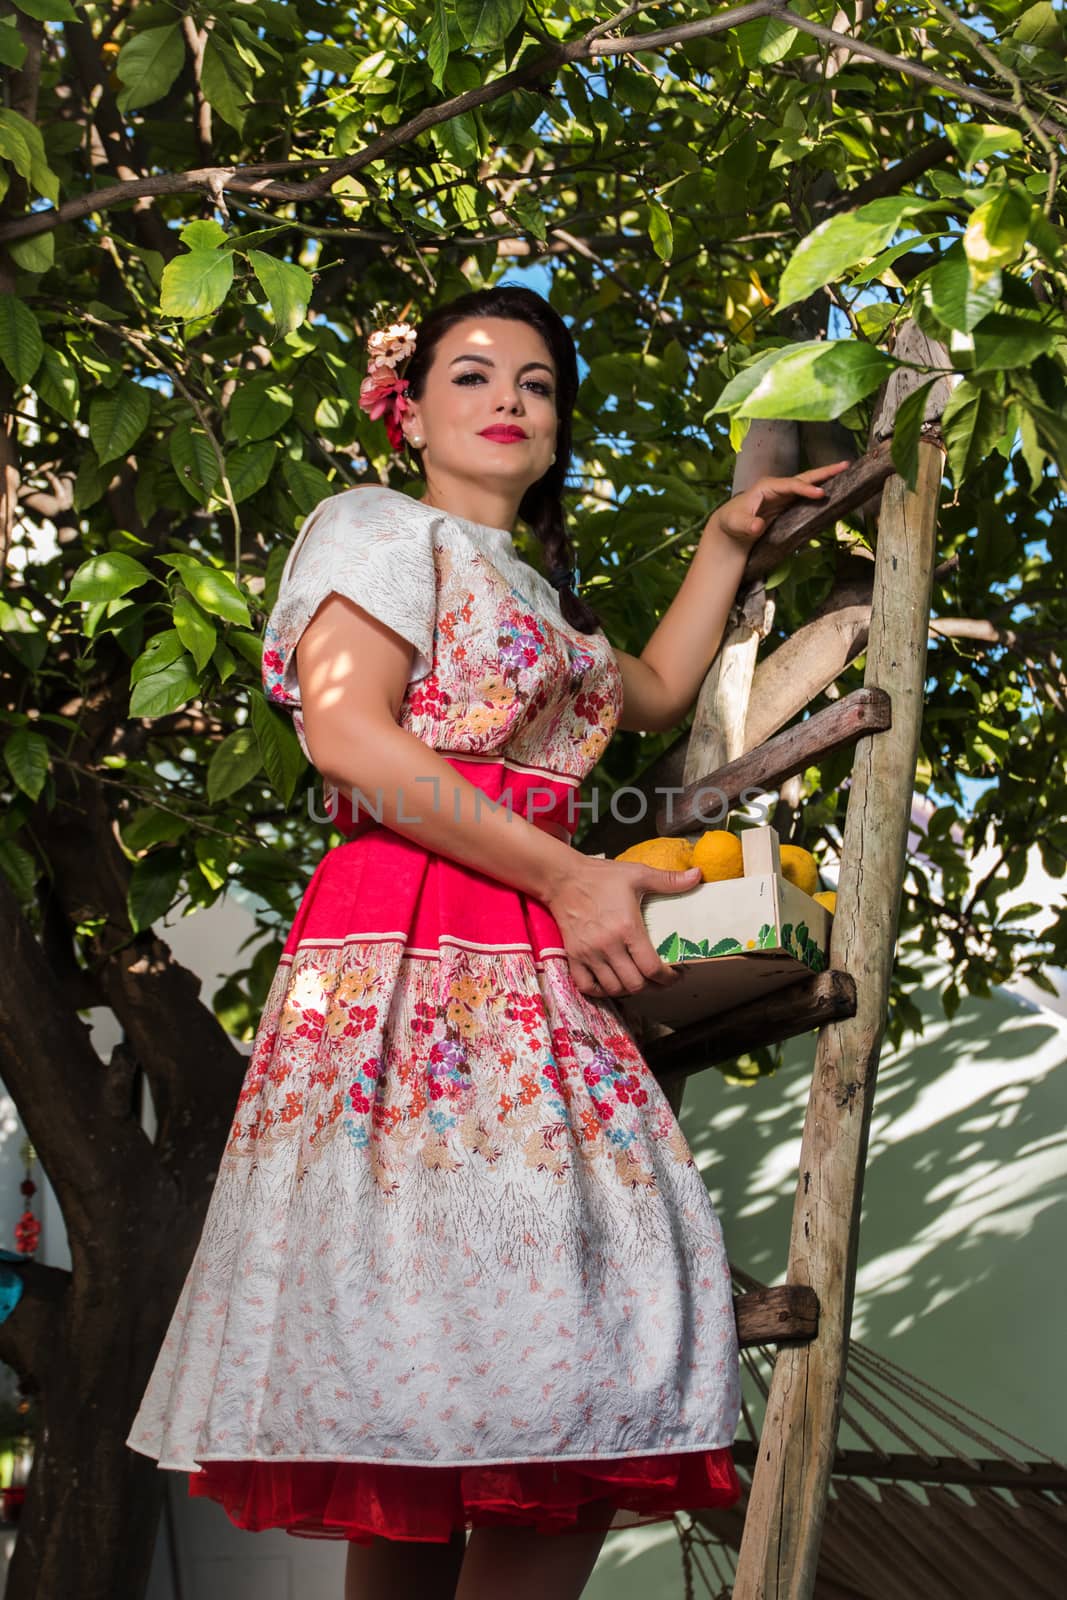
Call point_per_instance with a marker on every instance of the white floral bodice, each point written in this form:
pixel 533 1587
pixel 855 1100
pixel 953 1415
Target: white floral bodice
pixel 496 668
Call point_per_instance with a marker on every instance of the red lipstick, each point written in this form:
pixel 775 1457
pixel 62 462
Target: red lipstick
pixel 503 433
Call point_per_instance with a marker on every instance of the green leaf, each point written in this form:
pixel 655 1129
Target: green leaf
pixel 306 484
pixel 531 215
pixel 226 81
pixel 812 382
pixel 907 427
pixel 880 266
pixel 1038 25
pixel 203 234
pixel 161 650
pixel 212 590
pixel 26 758
pixel 234 763
pixel 458 139
pixel 250 647
pixel 437 44
pixel 1052 431
pixel 279 747
pixel 22 144
pixel 485 24
pixel 149 826
pixel 36 254
pixel 1006 340
pixel 211 856
pixel 225 662
pixel 148 64
pixel 660 230
pixel 972 422
pixel 249 467
pixel 194 461
pixel 258 409
pixel 840 242
pixel 973 141
pixel 90 483
pixel 195 630
pixel 117 418
pixel 57 383
pixel 764 41
pixel 196 284
pixel 957 295
pixel 997 231
pixel 287 287
pixel 21 345
pixel 165 691
pixel 725 947
pixel 48 10
pixel 107 576
pixel 153 885
pixel 14 144
pixel 12 47
pixel 671 947
pixel 18 867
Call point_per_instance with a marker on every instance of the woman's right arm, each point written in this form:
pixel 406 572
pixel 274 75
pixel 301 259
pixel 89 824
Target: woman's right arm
pixel 353 672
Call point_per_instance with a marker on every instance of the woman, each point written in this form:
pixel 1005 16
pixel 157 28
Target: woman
pixel 459 1269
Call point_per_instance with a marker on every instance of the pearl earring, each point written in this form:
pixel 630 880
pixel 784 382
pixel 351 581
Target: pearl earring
pixel 416 441
pixel 552 463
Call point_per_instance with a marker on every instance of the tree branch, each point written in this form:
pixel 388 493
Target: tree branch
pixel 254 179
pixel 914 69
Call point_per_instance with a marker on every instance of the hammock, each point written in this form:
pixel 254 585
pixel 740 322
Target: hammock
pixel 936 1501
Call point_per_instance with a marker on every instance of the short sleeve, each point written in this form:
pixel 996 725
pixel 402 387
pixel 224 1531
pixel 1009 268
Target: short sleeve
pixel 372 545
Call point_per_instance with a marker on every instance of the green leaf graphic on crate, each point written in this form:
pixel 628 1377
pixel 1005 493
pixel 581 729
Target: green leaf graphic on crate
pixel 676 947
pixel 767 938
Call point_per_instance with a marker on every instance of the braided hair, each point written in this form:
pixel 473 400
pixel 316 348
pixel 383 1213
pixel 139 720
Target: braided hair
pixel 541 507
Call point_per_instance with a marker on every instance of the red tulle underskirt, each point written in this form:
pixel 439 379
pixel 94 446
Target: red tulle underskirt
pixel 360 1500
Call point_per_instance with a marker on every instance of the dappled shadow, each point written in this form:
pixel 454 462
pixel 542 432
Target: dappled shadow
pixel 964 1199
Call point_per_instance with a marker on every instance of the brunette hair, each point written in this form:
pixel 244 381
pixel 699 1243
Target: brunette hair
pixel 541 506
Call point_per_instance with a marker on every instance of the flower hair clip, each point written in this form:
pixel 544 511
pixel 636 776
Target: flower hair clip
pixel 382 392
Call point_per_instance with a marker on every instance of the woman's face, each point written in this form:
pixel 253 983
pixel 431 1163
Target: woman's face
pixel 488 408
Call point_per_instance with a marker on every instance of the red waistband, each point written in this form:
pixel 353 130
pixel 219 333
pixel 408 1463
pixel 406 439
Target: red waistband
pixel 540 798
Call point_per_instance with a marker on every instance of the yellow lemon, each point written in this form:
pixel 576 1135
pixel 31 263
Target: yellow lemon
pixel 670 855
pixel 827 898
pixel 718 855
pixel 799 867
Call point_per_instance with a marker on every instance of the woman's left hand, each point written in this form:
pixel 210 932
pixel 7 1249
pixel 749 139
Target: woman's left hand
pixel 747 516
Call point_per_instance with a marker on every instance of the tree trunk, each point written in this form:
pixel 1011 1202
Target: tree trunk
pixel 88 1524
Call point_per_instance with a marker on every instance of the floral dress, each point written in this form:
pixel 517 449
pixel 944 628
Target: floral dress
pixel 459 1266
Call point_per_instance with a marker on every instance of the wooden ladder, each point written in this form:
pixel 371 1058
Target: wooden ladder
pixel 809 1316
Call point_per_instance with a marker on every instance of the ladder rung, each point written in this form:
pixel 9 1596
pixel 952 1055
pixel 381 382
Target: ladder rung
pixel 823 997
pixel 767 1316
pixel 862 712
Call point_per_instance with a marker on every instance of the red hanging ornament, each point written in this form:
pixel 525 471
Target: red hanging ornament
pixel 27 1228
pixel 27 1233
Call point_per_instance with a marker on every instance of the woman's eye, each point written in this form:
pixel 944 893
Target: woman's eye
pixel 465 377
pixel 540 388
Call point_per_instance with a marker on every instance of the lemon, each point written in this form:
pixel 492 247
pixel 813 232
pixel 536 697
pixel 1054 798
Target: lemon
pixel 799 867
pixel 670 855
pixel 718 855
pixel 827 898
